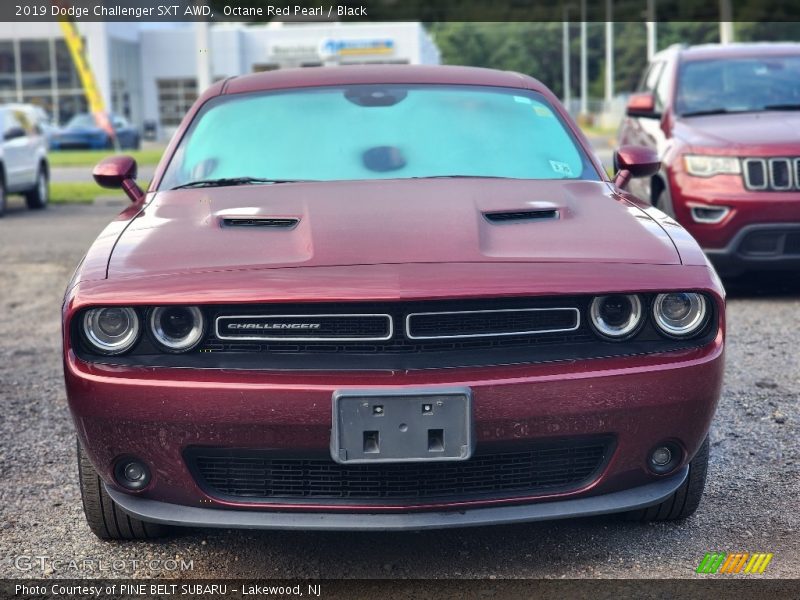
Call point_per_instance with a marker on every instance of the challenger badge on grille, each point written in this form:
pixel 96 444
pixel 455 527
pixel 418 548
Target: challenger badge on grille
pixel 345 327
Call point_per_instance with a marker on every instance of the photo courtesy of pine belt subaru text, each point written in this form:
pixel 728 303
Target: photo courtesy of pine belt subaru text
pixel 388 298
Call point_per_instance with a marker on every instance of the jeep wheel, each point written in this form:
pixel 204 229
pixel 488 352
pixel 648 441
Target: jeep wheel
pixel 685 500
pixel 106 520
pixel 37 197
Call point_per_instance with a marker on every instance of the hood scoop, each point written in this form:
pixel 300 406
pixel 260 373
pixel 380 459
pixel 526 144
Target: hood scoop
pixel 265 222
pixel 520 216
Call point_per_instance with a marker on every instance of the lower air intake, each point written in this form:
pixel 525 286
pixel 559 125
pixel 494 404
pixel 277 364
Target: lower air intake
pixel 263 476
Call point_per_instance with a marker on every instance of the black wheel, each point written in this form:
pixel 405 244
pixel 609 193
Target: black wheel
pixel 106 520
pixel 685 500
pixel 36 198
pixel 3 199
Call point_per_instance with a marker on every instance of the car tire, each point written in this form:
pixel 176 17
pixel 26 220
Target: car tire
pixel 37 197
pixel 105 518
pixel 685 500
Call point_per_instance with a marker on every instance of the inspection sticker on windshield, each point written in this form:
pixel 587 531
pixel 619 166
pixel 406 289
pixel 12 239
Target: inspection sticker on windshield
pixel 561 168
pixel 542 111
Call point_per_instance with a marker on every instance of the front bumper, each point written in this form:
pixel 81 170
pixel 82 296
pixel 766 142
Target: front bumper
pixel 766 246
pixel 749 212
pixel 156 414
pixel 615 502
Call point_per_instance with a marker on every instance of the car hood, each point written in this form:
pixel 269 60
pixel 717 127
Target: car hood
pixel 736 131
pixel 387 222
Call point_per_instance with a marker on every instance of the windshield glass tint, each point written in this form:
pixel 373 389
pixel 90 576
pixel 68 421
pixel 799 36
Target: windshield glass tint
pixel 378 132
pixel 737 85
pixel 81 121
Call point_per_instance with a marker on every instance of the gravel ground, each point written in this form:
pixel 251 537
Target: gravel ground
pixel 750 502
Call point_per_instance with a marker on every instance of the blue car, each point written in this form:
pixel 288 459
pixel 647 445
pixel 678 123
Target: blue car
pixel 83 132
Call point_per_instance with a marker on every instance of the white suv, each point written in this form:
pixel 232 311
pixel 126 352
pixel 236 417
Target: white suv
pixel 23 156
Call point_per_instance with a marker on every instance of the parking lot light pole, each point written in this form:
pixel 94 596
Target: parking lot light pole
pixel 567 93
pixel 203 57
pixel 726 35
pixel 650 23
pixel 609 87
pixel 584 64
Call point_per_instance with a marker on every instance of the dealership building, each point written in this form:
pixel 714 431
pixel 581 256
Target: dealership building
pixel 150 72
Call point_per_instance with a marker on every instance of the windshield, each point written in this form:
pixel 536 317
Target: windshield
pixel 739 85
pixel 81 121
pixel 377 132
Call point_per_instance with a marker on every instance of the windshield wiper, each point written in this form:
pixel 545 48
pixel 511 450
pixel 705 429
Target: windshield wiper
pixel 232 181
pixel 459 177
pixel 782 107
pixel 711 111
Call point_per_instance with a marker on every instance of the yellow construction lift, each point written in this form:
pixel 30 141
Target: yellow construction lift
pixel 94 98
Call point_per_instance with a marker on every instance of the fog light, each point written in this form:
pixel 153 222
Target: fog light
pixel 661 456
pixel 664 458
pixel 709 214
pixel 132 473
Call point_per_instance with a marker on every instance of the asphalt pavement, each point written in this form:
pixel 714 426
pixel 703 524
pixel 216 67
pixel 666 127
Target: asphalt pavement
pixel 750 502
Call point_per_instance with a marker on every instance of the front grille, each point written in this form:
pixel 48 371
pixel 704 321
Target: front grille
pixel 399 336
pixel 771 242
pixel 260 475
pixel 485 323
pixel 792 245
pixel 780 174
pixel 413 327
pixel 277 327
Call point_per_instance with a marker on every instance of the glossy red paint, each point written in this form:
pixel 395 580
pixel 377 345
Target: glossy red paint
pixel 448 211
pixel 379 241
pixel 763 134
pixel 634 161
pixel 119 172
pixel 639 104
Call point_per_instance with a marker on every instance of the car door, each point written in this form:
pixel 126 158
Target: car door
pixel 36 146
pixel 16 152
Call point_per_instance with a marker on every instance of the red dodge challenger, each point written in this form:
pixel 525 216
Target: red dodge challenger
pixel 388 298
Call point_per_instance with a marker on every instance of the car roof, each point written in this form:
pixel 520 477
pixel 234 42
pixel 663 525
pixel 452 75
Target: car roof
pixel 378 74
pixel 741 50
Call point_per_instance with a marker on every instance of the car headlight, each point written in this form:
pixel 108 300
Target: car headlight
pixel 680 314
pixel 111 330
pixel 707 166
pixel 616 316
pixel 177 328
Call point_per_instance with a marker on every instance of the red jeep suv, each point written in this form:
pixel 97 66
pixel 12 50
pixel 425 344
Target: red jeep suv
pixel 726 122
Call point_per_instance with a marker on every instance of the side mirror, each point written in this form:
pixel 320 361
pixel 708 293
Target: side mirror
pixel 642 105
pixel 119 172
pixel 634 161
pixel 13 133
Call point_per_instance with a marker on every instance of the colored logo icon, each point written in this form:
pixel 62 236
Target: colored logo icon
pixel 732 563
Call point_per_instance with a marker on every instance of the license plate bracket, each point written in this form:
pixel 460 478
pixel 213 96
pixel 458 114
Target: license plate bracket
pixel 404 426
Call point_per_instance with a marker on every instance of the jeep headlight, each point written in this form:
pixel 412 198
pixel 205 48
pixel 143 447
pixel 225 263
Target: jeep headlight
pixel 708 166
